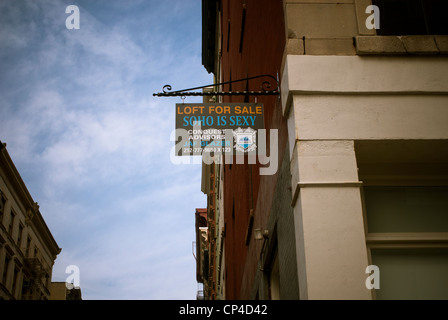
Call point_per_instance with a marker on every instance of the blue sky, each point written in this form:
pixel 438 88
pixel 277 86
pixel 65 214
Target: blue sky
pixel 93 145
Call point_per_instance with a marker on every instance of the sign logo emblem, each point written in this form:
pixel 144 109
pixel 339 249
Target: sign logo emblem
pixel 245 139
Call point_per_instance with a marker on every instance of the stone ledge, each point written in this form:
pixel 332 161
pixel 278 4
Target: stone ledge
pixel 420 44
pixel 330 46
pixel 366 45
pixel 320 46
pixel 295 46
pixel 442 43
pixel 402 45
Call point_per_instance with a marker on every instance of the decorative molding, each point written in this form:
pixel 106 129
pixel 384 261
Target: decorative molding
pixel 323 184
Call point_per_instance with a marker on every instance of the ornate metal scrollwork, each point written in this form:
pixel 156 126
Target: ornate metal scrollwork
pixel 265 89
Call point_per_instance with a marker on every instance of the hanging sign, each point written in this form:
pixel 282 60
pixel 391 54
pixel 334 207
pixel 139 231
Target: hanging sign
pixel 218 127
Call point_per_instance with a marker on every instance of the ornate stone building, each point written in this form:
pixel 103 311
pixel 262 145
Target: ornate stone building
pixel 27 247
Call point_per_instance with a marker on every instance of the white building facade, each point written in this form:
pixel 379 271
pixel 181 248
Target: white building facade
pixel 367 118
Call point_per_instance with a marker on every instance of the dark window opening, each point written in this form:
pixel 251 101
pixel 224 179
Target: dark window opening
pixel 412 17
pixel 243 27
pixel 228 35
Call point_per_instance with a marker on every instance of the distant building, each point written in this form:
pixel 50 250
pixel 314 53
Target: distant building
pixel 210 232
pixel 362 177
pixel 214 232
pixel 27 247
pixel 64 291
pixel 201 251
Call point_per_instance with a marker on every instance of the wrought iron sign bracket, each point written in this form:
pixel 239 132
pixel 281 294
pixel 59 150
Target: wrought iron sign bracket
pixel 267 88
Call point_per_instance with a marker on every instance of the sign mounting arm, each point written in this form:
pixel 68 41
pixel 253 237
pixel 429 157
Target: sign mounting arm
pixel 268 87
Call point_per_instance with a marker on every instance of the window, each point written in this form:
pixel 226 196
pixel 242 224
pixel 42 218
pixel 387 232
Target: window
pixel 5 269
pixel 412 17
pixel 412 273
pixel 20 236
pixel 407 237
pixel 406 208
pixel 26 287
pixel 2 205
pixel 15 280
pixel 11 222
pixel 28 246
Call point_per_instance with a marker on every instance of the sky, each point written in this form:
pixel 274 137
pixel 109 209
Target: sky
pixel 93 145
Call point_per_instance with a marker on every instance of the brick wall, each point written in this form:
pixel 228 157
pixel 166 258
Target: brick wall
pixel 253 40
